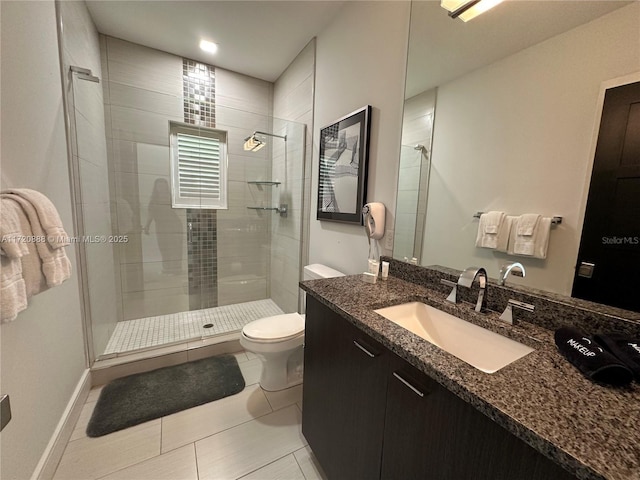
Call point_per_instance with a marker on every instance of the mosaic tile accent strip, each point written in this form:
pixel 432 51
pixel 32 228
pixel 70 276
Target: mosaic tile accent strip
pixel 176 327
pixel 202 259
pixel 199 93
pixel 199 90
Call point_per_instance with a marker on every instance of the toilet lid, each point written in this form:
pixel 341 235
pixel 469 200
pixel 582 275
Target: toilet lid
pixel 276 327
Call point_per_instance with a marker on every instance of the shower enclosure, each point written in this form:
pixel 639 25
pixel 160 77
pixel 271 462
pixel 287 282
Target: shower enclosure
pixel 186 234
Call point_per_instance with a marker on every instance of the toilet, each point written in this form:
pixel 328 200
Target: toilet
pixel 277 341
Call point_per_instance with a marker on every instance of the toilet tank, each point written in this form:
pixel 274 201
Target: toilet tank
pixel 317 270
pixel 313 272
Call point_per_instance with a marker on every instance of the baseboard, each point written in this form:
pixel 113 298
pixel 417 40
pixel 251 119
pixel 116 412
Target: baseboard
pixel 50 459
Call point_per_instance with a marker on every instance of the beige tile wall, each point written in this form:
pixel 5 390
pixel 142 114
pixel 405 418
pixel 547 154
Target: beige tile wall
pixel 143 92
pixel 292 100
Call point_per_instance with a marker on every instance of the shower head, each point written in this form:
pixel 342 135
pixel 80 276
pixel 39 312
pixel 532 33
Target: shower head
pixel 253 143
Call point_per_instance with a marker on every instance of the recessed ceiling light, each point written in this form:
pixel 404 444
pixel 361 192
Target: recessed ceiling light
pixel 208 46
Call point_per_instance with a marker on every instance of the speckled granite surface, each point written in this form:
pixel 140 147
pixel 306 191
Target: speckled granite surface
pixel 591 430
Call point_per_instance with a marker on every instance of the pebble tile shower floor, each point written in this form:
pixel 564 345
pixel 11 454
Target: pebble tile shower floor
pixel 176 327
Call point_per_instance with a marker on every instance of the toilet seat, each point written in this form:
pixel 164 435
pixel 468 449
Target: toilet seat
pixel 278 328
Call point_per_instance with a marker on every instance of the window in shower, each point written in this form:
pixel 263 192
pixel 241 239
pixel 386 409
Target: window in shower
pixel 198 167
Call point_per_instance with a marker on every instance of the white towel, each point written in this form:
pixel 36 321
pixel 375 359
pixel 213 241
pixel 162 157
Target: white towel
pixel 55 264
pixel 11 237
pixel 489 228
pixel 525 230
pixel 47 214
pixel 541 242
pixel 504 233
pixel 13 292
pixel 536 245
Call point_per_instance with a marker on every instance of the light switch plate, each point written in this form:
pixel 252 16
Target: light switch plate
pixel 5 411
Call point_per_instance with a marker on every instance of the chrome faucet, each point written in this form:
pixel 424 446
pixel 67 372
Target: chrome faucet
pixel 515 268
pixel 469 276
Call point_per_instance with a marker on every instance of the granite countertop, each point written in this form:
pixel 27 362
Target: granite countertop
pixel 591 430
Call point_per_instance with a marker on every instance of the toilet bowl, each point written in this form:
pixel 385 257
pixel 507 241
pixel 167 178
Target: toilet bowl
pixel 278 341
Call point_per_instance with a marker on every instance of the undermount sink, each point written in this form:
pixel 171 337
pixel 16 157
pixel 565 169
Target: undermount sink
pixel 481 348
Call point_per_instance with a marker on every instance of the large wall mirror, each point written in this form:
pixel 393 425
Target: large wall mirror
pixel 501 113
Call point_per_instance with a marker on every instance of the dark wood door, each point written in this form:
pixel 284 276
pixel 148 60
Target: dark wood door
pixel 609 255
pixel 432 434
pixel 344 394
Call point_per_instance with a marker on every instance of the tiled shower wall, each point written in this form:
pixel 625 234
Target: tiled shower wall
pixel 89 150
pixel 413 175
pixel 243 105
pixel 292 100
pixel 143 92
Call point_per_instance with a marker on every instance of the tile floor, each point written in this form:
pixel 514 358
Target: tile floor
pixel 178 327
pixel 252 435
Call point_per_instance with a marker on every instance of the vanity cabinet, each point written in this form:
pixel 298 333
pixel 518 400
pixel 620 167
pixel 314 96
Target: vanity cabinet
pixel 369 414
pixel 344 395
pixel 430 433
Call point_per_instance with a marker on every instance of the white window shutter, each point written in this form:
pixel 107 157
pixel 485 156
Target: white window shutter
pixel 199 166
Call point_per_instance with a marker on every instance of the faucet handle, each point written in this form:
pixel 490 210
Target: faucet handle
pixel 507 315
pixel 453 296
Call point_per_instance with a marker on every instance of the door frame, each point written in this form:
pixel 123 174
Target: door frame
pixel 604 86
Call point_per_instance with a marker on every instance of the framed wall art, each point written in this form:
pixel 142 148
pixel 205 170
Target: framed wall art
pixel 344 155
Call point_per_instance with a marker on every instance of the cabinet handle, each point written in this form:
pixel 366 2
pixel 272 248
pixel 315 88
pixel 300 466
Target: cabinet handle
pixel 415 390
pixel 355 342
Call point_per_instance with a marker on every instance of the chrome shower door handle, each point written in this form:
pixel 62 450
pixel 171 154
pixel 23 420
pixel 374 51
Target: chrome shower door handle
pixel 190 232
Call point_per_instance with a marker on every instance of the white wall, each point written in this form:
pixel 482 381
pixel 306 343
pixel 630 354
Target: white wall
pixel 516 136
pixel 360 60
pixel 42 351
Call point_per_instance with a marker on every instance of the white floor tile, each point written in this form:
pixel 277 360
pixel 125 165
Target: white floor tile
pixel 251 371
pixel 251 355
pixel 250 446
pixel 94 393
pixel 178 464
pixel 284 398
pixel 92 458
pixel 199 422
pixel 309 464
pixel 285 468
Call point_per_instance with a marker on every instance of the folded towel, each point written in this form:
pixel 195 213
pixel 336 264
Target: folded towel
pixel 594 362
pixel 13 292
pixel 11 237
pixel 541 238
pixel 504 233
pixel 626 349
pixel 55 264
pixel 47 214
pixel 489 228
pixel 525 230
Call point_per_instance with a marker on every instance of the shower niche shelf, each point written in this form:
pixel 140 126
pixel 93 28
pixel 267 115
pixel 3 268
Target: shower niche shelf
pixel 263 182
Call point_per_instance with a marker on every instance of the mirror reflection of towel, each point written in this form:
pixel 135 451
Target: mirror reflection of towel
pixel 491 232
pixel 536 243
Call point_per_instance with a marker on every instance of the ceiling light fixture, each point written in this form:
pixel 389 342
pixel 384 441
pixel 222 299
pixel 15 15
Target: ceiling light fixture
pixel 468 10
pixel 208 46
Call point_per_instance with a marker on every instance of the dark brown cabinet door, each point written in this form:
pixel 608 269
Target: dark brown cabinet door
pixel 432 434
pixel 344 395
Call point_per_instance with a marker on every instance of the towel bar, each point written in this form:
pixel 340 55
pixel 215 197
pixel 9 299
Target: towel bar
pixel 555 220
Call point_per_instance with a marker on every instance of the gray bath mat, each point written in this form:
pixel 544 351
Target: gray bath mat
pixel 138 398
